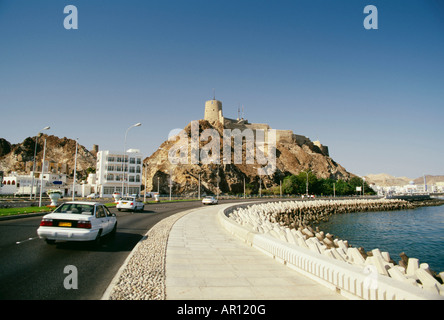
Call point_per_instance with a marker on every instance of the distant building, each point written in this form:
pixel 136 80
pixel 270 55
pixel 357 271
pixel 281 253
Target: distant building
pixel 110 171
pixel 21 184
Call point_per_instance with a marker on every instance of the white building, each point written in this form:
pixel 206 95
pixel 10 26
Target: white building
pixel 111 169
pixel 21 184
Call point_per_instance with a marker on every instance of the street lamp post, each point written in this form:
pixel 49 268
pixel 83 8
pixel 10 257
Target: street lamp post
pixel 198 193
pixel 144 194
pixel 75 173
pixel 124 157
pixel 306 185
pixel 33 166
pixel 363 188
pixel 41 176
pixel 170 181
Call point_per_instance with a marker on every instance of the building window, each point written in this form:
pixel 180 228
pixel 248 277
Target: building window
pixel 138 169
pixel 110 177
pixel 139 160
pixel 133 190
pixel 131 178
pixel 132 160
pixel 110 159
pixel 132 170
pixel 108 190
pixel 137 178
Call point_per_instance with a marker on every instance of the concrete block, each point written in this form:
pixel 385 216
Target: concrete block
pixel 312 245
pixel 282 235
pixel 342 254
pixel 338 255
pixel 290 237
pixel 319 236
pixel 412 266
pixel 378 262
pixel 428 282
pixel 355 256
pixel 329 254
pixel 301 242
pixel 386 256
pixel 397 274
pixel 341 244
pixel 328 243
pixel 425 266
pixel 308 233
pixel 274 234
pixel 297 233
pixel 401 269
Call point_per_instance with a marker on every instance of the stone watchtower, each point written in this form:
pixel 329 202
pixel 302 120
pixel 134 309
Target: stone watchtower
pixel 213 111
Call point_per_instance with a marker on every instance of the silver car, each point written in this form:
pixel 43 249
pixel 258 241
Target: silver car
pixel 130 203
pixel 209 200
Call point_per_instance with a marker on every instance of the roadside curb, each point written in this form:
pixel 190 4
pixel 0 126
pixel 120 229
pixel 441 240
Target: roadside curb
pixel 114 282
pixel 23 215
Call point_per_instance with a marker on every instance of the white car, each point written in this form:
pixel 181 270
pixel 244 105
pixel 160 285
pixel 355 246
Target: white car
pixel 209 200
pixel 93 196
pixel 130 203
pixel 77 221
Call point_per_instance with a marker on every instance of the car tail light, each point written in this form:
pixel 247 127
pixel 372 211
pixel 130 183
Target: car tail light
pixel 132 203
pixel 46 223
pixel 84 224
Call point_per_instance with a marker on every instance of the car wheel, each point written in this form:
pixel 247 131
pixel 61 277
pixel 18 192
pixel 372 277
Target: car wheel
pixel 50 241
pixel 98 239
pixel 113 232
pixel 119 209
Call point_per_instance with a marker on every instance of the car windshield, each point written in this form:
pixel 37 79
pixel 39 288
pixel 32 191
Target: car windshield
pixel 127 199
pixel 75 208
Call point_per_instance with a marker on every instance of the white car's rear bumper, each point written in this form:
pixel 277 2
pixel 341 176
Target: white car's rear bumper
pixel 126 207
pixel 67 234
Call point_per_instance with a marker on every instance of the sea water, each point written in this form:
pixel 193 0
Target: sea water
pixel 417 232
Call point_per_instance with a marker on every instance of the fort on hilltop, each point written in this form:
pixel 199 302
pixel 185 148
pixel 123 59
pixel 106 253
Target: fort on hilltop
pixel 214 115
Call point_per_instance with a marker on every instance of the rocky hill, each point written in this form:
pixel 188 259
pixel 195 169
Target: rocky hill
pixel 430 179
pixel 291 158
pixel 386 180
pixel 18 157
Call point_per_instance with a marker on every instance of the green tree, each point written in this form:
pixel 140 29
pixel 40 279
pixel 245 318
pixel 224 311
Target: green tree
pixel 302 183
pixel 290 185
pixel 325 186
pixel 343 188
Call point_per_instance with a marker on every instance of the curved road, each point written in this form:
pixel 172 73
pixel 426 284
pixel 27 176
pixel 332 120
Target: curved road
pixel 31 269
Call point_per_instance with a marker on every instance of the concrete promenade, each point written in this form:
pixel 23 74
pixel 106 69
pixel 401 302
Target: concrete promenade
pixel 205 262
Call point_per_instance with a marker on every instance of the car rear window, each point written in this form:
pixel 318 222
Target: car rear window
pixel 75 208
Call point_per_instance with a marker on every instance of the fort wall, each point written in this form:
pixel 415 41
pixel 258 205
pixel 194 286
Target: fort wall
pixel 213 114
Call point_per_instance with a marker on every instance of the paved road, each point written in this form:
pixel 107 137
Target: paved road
pixel 31 269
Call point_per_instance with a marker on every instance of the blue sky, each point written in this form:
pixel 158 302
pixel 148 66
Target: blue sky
pixel 375 97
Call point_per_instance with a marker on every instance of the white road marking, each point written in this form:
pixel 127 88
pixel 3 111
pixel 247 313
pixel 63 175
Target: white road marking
pixel 26 240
